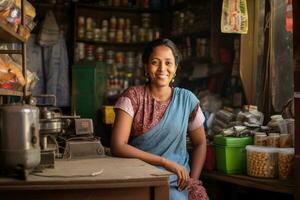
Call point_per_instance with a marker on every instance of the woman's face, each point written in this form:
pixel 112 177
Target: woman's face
pixel 161 66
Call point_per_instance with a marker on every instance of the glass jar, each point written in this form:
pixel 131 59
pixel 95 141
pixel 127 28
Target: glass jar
pixel 120 35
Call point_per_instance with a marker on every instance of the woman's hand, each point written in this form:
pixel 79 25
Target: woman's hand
pixel 182 173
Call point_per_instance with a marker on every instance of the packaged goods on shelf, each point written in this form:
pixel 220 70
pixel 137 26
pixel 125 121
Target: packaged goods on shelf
pixel 10 12
pixel 10 70
pixel 116 29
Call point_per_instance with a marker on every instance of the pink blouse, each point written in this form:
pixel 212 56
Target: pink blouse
pixel 147 112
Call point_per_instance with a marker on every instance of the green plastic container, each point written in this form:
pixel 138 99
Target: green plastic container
pixel 231 154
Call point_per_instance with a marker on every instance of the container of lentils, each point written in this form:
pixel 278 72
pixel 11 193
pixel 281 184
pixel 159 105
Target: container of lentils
pixel 262 161
pixel 285 163
pixel 260 139
pixel 273 140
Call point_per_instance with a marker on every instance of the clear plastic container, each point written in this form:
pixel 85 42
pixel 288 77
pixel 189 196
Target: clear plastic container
pixel 285 162
pixel 285 141
pixel 273 140
pixel 260 139
pixel 262 161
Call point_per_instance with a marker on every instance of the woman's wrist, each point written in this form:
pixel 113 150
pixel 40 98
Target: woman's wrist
pixel 163 161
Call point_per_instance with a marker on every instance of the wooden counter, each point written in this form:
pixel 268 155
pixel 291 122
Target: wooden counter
pixel 273 185
pixel 114 178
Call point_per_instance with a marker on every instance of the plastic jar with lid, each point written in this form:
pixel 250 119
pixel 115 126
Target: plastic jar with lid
pixel 260 138
pixel 285 163
pixel 262 161
pixel 273 140
pixel 285 141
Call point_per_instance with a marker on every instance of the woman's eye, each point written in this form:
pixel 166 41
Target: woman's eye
pixel 154 62
pixel 169 64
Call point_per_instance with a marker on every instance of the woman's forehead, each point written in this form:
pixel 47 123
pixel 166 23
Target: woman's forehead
pixel 162 51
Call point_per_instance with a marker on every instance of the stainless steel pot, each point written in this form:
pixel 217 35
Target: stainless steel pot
pixel 19 136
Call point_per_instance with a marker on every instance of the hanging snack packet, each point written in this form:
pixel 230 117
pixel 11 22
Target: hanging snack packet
pixel 234 17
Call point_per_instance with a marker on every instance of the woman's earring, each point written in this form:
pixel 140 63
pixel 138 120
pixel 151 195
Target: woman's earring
pixel 147 77
pixel 173 79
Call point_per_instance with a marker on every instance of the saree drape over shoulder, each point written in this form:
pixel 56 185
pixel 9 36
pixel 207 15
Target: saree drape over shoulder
pixel 168 137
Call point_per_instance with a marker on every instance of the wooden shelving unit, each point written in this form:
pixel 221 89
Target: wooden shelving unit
pixel 8 35
pixel 273 185
pixel 117 8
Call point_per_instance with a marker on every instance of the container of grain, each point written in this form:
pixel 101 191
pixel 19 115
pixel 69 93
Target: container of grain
pixel 273 140
pixel 285 163
pixel 260 139
pixel 262 161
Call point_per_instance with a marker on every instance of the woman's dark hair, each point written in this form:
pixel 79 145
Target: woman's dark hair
pixel 161 42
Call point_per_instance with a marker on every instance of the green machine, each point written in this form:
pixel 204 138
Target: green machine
pixel 88 90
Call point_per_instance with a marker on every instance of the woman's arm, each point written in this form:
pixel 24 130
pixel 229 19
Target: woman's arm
pixel 120 137
pixel 198 139
pixel 120 147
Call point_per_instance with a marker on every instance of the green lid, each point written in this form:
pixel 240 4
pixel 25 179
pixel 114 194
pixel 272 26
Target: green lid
pixel 233 141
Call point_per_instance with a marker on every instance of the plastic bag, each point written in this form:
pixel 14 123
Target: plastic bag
pixel 234 17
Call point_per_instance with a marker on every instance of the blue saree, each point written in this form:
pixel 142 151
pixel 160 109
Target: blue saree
pixel 168 137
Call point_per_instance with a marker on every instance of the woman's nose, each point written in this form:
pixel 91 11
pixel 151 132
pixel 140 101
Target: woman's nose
pixel 162 66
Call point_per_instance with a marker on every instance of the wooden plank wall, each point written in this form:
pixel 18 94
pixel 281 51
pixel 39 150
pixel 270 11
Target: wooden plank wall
pixel 296 37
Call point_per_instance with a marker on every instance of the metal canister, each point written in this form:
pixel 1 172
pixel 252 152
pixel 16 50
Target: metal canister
pixel 19 145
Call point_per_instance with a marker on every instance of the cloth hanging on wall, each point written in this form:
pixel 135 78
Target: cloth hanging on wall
pixel 49 31
pixel 55 80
